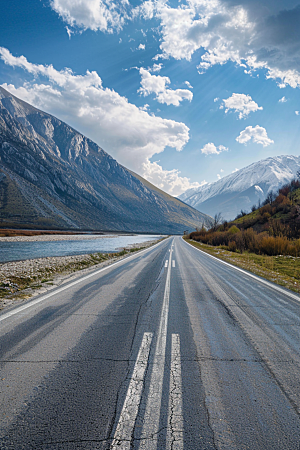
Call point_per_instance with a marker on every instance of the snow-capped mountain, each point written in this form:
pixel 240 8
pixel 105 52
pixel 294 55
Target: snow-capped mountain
pixel 243 188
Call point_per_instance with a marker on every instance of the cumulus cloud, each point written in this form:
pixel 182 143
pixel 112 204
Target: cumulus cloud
pixel 211 149
pixel 297 113
pixel 141 47
pixel 168 180
pixel 257 134
pixel 251 35
pixel 156 84
pixel 241 103
pixel 282 100
pixel 103 15
pixel 128 133
pixel 254 35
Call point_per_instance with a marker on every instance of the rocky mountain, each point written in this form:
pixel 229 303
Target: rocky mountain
pixel 243 188
pixel 51 176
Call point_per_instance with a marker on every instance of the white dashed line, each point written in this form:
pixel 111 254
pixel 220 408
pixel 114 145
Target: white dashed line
pixel 123 433
pixel 166 263
pixel 175 418
pixel 152 413
pixel 173 263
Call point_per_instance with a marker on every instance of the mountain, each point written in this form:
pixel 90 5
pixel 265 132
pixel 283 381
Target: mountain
pixel 51 176
pixel 243 188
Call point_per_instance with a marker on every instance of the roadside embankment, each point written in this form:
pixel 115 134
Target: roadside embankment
pixel 282 270
pixel 20 280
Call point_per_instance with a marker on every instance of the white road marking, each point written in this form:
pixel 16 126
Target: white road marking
pixel 175 418
pixel 173 263
pixel 57 291
pixel 124 430
pixel 152 412
pixel 273 286
pixel 166 263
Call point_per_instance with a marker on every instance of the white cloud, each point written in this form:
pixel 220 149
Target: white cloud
pixel 257 134
pixel 297 113
pixel 188 84
pixel 221 170
pixel 241 103
pixel 253 37
pixel 282 100
pixel 156 67
pixel 145 10
pixel 128 133
pixel 216 99
pixel 145 107
pixel 168 180
pixel 141 47
pixel 103 15
pixel 70 32
pixel 235 170
pixel 219 176
pixel 211 149
pixel 156 84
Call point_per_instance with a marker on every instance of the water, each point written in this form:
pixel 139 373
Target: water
pixel 16 251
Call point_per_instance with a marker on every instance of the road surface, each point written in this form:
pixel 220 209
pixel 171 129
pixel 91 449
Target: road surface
pixel 169 349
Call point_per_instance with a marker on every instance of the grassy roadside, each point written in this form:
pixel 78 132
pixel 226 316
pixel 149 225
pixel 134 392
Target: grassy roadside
pixel 44 276
pixel 282 270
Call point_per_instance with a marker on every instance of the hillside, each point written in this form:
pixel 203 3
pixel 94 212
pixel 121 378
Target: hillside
pixel 273 229
pixel 53 177
pixel 243 188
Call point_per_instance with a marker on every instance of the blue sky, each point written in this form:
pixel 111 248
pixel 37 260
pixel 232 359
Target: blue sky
pixel 180 92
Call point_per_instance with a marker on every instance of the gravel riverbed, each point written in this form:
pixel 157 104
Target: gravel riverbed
pixel 20 280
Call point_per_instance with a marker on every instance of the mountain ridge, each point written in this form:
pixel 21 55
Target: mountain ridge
pixel 53 176
pixel 243 188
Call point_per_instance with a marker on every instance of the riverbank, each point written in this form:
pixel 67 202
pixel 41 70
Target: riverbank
pixel 20 280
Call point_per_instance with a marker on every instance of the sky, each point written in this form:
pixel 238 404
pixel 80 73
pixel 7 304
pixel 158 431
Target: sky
pixel 181 92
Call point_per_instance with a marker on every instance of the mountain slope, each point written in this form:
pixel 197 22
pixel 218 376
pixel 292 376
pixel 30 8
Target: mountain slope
pixel 243 188
pixel 51 176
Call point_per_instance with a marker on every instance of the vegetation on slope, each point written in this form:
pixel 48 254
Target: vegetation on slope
pixel 272 229
pixel 265 242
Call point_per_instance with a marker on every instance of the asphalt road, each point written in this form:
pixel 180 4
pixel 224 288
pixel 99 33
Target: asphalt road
pixel 169 349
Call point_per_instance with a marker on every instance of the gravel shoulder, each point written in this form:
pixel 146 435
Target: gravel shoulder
pixel 21 280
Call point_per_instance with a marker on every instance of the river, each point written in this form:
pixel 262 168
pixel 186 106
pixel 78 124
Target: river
pixel 72 245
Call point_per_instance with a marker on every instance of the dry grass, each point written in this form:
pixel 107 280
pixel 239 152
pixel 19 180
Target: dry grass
pixel 282 270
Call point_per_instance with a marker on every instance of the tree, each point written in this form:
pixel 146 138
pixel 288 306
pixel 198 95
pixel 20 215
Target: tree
pixel 217 220
pixel 269 198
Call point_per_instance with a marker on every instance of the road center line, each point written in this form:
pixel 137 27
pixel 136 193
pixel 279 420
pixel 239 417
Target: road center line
pixel 152 413
pixel 175 419
pixel 124 430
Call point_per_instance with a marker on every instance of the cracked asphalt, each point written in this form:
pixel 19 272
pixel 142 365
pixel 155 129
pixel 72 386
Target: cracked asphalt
pixel 153 354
